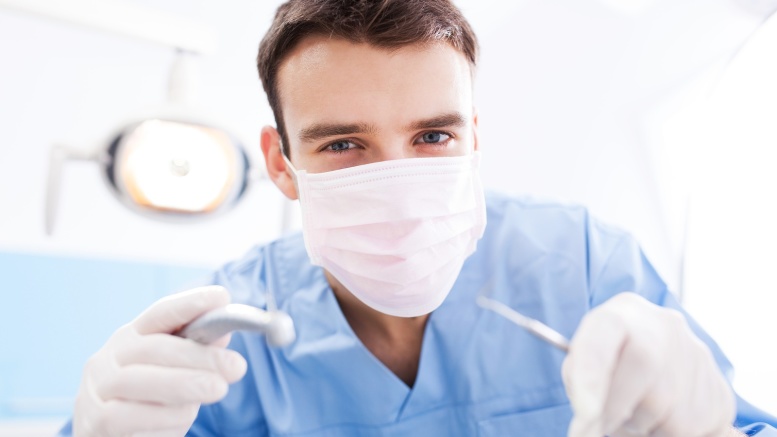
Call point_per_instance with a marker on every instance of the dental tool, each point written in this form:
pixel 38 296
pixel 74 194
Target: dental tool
pixel 276 325
pixel 535 327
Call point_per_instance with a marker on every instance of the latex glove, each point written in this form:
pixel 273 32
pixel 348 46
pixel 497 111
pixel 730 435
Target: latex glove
pixel 637 369
pixel 147 382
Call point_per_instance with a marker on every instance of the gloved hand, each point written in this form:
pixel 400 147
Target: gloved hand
pixel 147 382
pixel 637 369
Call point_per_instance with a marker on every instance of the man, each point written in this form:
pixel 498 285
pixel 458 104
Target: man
pixel 376 135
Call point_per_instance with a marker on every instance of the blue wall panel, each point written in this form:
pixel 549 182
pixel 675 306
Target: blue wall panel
pixel 57 311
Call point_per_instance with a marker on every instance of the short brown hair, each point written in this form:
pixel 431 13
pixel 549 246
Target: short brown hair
pixel 388 24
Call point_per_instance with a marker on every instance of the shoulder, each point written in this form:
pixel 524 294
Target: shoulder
pixel 548 223
pixel 274 267
pixel 525 231
pixel 540 242
pixel 502 205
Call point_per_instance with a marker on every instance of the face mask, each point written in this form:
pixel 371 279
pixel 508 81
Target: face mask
pixel 394 233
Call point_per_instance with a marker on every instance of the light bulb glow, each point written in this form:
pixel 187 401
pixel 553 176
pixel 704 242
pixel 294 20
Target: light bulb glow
pixel 179 167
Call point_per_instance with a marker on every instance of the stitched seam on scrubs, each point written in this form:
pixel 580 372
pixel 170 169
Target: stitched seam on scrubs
pixel 281 282
pixel 605 266
pixel 245 264
pixel 387 178
pixel 587 236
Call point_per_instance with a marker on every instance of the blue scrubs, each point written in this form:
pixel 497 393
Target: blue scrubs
pixel 479 374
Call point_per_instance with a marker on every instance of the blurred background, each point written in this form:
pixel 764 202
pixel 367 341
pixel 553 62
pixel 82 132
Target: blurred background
pixel 658 115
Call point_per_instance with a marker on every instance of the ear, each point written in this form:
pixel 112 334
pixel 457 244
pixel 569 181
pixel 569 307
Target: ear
pixel 475 129
pixel 276 166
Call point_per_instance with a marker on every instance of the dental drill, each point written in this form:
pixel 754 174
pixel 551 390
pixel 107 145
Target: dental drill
pixel 277 326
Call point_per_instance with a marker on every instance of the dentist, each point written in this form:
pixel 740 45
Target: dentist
pixel 376 135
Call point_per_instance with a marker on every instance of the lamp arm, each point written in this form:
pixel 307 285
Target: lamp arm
pixel 58 156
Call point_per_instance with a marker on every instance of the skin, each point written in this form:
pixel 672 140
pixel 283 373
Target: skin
pixel 347 104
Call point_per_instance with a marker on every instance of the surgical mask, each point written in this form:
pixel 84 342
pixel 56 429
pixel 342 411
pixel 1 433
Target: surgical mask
pixel 395 233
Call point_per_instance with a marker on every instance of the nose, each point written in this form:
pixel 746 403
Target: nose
pixel 393 149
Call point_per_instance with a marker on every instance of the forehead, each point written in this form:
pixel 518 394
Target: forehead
pixel 345 81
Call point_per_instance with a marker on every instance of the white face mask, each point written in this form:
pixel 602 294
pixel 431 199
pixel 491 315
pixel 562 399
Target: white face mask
pixel 394 233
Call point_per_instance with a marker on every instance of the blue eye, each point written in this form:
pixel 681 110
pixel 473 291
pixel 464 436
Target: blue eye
pixel 434 137
pixel 340 146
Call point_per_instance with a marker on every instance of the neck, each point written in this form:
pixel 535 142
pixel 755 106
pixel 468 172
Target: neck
pixel 363 318
pixel 395 341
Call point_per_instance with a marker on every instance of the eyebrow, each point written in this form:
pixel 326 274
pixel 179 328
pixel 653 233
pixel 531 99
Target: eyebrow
pixel 320 131
pixel 324 130
pixel 453 119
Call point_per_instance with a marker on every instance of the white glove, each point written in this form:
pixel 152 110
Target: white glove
pixel 637 369
pixel 147 382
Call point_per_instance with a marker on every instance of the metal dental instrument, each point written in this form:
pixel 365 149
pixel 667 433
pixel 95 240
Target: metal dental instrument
pixel 276 325
pixel 535 327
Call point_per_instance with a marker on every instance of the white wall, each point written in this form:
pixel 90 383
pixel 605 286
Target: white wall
pixel 731 253
pixel 578 101
pixel 63 84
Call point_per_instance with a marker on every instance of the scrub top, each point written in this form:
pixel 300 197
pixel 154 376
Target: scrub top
pixel 479 375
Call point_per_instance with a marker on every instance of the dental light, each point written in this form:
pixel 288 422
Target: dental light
pixel 176 161
pixel 168 166
pixel 171 162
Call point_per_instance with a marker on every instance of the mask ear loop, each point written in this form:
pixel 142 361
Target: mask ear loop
pixel 287 204
pixel 286 159
pixel 290 165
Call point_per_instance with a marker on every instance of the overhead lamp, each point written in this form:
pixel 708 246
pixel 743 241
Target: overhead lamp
pixel 172 162
pixel 168 166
